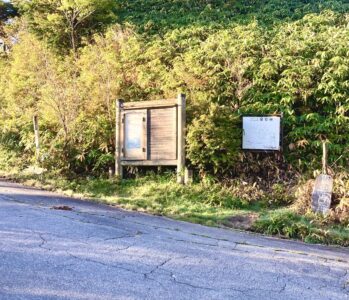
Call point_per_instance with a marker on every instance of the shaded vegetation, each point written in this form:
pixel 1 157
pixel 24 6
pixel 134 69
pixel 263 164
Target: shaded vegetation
pixel 7 11
pixel 154 16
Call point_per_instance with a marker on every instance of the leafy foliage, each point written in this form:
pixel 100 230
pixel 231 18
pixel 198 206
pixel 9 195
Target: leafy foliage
pixel 229 57
pixel 65 23
pixel 153 16
pixel 210 145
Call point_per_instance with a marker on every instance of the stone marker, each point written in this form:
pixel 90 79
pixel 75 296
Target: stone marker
pixel 322 194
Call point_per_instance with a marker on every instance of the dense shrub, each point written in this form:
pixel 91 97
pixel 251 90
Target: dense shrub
pixel 210 145
pixel 152 16
pixel 296 65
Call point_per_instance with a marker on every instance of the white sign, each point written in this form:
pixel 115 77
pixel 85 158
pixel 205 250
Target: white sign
pixel 261 133
pixel 133 131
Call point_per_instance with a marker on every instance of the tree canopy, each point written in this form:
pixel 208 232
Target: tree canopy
pixel 64 24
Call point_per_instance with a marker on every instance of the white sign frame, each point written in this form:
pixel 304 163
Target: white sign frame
pixel 262 133
pixel 133 135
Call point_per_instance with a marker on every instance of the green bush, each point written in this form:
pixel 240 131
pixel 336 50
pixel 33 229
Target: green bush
pixel 238 57
pixel 290 225
pixel 210 145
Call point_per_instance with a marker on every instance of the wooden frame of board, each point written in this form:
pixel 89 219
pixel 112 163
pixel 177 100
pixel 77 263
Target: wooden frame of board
pixel 151 133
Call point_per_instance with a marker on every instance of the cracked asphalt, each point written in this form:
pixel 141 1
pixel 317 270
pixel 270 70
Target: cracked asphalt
pixel 101 252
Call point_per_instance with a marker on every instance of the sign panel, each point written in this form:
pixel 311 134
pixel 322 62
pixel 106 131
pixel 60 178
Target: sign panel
pixel 163 133
pixel 133 131
pixel 261 133
pixel 134 134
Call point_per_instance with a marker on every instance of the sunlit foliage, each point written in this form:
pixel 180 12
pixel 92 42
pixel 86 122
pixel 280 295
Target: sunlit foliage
pixel 229 57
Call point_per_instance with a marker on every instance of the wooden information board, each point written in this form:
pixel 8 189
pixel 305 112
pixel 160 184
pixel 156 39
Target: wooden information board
pixel 151 133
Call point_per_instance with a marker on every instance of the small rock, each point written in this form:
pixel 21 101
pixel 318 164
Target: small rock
pixel 64 207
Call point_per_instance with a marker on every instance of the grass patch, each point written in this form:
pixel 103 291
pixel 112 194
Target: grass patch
pixel 310 228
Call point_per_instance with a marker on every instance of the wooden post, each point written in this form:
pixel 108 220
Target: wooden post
pixel 37 137
pixel 324 157
pixel 188 176
pixel 181 102
pixel 118 146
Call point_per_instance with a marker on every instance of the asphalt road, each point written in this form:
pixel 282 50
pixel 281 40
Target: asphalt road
pixel 100 252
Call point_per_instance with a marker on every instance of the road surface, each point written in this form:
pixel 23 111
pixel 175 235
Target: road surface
pixel 101 252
